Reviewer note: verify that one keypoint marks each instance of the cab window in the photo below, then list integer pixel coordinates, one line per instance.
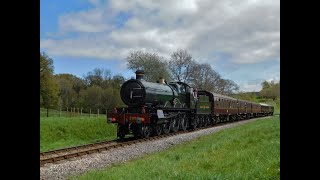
(182, 89)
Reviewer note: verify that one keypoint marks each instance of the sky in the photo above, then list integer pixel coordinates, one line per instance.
(240, 39)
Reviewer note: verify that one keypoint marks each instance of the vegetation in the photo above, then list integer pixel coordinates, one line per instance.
(48, 86)
(181, 65)
(154, 66)
(99, 89)
(270, 89)
(250, 151)
(63, 132)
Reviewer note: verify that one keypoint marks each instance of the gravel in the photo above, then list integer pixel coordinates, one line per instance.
(76, 166)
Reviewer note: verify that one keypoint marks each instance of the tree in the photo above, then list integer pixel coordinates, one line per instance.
(227, 86)
(205, 78)
(265, 84)
(98, 76)
(102, 91)
(180, 65)
(69, 89)
(91, 97)
(46, 65)
(48, 86)
(270, 90)
(117, 81)
(153, 65)
(96, 97)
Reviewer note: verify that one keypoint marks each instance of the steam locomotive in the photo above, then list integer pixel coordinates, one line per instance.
(161, 108)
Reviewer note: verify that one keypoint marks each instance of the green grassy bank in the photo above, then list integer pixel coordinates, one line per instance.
(59, 132)
(249, 151)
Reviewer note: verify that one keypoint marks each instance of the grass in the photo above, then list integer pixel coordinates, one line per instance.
(250, 151)
(60, 132)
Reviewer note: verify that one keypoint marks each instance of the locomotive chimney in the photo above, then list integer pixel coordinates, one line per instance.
(161, 80)
(139, 74)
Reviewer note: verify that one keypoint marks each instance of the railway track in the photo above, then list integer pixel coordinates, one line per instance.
(77, 151)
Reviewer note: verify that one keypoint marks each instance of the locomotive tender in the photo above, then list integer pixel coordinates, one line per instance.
(156, 108)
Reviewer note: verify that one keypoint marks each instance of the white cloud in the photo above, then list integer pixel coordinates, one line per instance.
(255, 84)
(243, 31)
(247, 87)
(246, 31)
(95, 2)
(84, 21)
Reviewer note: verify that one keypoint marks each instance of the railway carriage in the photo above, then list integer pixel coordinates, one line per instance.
(242, 109)
(223, 108)
(266, 109)
(256, 109)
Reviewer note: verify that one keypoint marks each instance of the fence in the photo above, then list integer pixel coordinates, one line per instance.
(72, 112)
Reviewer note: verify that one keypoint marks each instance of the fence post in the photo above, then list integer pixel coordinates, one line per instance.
(81, 112)
(74, 111)
(67, 112)
(98, 112)
(78, 111)
(90, 113)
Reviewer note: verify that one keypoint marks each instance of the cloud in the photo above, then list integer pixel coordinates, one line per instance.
(229, 34)
(255, 84)
(246, 31)
(84, 21)
(95, 2)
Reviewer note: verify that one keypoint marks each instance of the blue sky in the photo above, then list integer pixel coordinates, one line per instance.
(239, 39)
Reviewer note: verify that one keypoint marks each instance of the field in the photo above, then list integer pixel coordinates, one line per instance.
(250, 151)
(60, 132)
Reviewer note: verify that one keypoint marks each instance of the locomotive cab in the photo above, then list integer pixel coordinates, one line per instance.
(186, 94)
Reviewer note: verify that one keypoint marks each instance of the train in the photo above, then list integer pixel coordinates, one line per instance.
(155, 108)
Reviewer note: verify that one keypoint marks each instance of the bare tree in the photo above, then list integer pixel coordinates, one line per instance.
(226, 86)
(153, 65)
(180, 65)
(204, 77)
(98, 76)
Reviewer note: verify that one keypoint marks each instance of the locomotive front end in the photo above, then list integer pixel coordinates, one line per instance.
(133, 93)
(138, 92)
